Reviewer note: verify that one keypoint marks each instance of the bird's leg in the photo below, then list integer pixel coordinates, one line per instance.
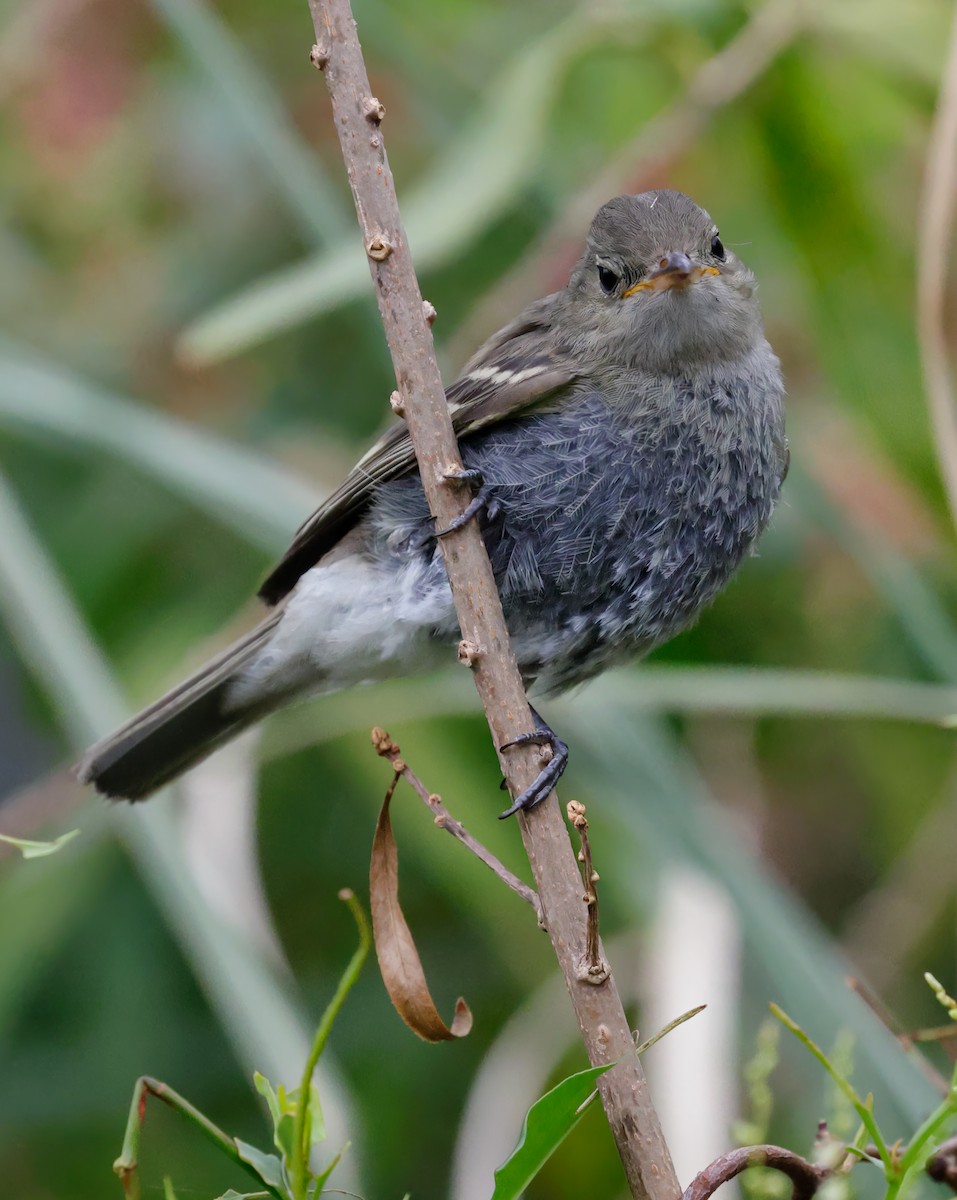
(550, 773)
(481, 500)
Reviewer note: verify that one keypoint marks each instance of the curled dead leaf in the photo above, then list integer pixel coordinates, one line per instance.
(399, 961)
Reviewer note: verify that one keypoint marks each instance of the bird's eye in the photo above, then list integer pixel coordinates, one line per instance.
(717, 249)
(607, 279)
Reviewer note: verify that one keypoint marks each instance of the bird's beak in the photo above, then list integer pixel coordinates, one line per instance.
(674, 270)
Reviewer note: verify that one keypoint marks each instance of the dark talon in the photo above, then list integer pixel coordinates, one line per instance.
(481, 500)
(548, 776)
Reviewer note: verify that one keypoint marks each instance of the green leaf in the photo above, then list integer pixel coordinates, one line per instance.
(547, 1123)
(319, 1133)
(31, 849)
(268, 1092)
(282, 1109)
(267, 1166)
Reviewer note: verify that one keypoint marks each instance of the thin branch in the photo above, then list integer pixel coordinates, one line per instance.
(593, 968)
(386, 748)
(935, 230)
(599, 1011)
(805, 1176)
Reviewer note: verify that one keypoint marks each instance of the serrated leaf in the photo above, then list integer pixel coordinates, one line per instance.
(547, 1123)
(30, 849)
(267, 1166)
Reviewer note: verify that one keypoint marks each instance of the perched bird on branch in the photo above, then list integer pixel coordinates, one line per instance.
(624, 438)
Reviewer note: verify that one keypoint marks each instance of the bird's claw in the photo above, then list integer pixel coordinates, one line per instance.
(482, 500)
(547, 777)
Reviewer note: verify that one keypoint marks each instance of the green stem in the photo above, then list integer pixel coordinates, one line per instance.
(862, 1108)
(299, 1167)
(126, 1165)
(943, 1113)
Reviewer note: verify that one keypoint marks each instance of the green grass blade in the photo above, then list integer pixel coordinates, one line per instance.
(239, 487)
(651, 790)
(920, 613)
(296, 172)
(484, 171)
(256, 1008)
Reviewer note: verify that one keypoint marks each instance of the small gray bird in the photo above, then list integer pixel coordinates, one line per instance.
(626, 439)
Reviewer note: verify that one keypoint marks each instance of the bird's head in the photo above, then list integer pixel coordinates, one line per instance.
(657, 288)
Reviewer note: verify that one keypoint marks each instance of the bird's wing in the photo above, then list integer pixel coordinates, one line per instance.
(517, 368)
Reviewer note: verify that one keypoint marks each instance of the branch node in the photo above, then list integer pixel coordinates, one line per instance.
(593, 972)
(379, 248)
(395, 403)
(374, 110)
(469, 653)
(319, 56)
(428, 311)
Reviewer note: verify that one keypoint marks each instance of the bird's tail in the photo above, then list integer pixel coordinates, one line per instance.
(179, 730)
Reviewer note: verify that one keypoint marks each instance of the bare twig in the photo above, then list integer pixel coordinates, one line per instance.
(385, 747)
(643, 161)
(942, 1165)
(935, 229)
(805, 1176)
(601, 1018)
(882, 929)
(594, 969)
(905, 1037)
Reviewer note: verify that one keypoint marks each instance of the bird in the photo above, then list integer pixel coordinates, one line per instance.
(625, 441)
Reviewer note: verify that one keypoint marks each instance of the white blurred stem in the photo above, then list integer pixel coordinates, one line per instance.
(695, 958)
(219, 840)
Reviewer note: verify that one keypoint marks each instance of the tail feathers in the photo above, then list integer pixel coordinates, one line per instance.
(178, 730)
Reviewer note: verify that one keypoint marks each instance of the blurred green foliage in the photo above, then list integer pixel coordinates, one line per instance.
(191, 355)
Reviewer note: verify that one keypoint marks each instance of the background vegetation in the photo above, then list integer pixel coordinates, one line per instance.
(190, 356)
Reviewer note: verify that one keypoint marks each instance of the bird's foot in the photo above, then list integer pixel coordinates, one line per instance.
(550, 773)
(482, 500)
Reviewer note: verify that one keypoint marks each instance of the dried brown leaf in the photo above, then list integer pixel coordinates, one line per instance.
(399, 960)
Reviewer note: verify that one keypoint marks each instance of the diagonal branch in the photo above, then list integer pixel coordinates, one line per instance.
(358, 116)
(386, 748)
(805, 1177)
